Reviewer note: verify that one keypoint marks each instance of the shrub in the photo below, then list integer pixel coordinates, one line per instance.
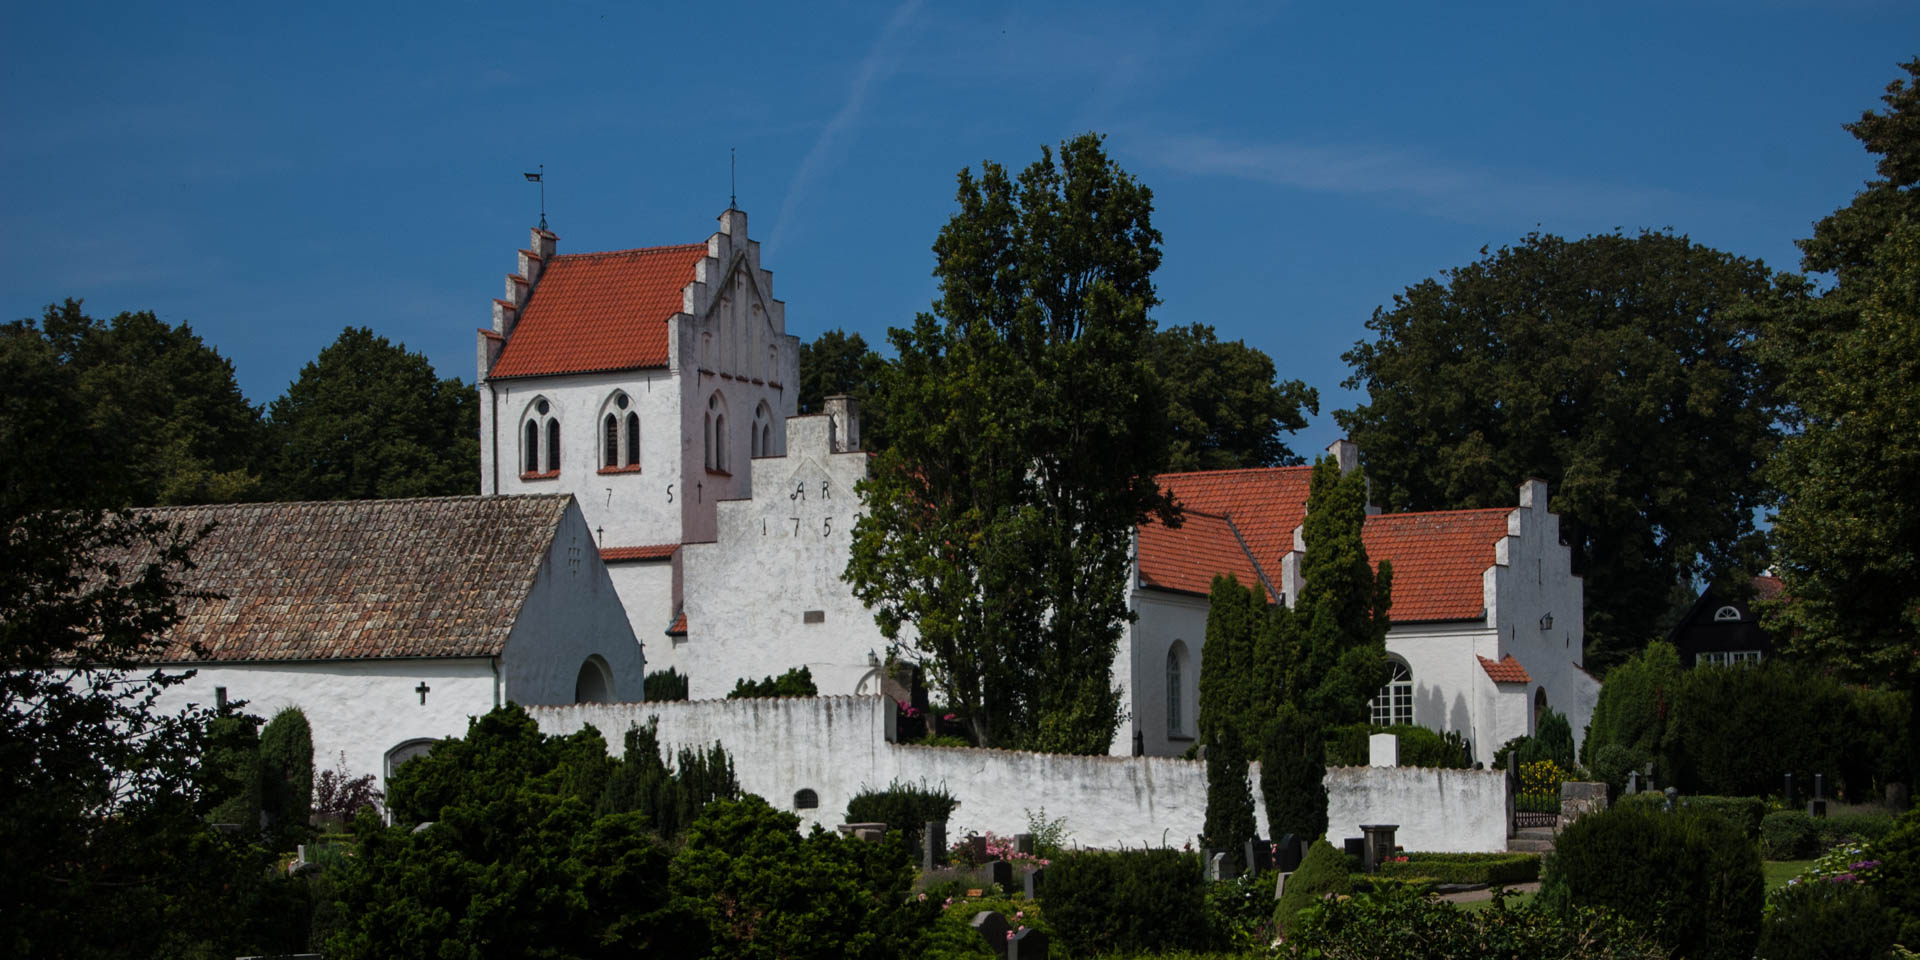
(1814, 921)
(1630, 718)
(1692, 879)
(338, 793)
(1141, 901)
(668, 797)
(1347, 746)
(1489, 868)
(1322, 872)
(1402, 924)
(230, 773)
(1788, 835)
(666, 684)
(1229, 822)
(1898, 877)
(1240, 911)
(1293, 771)
(286, 775)
(1555, 738)
(903, 807)
(1733, 731)
(1745, 813)
(951, 935)
(797, 682)
(1865, 828)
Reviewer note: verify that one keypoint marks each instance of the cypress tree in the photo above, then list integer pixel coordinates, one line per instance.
(286, 773)
(1229, 799)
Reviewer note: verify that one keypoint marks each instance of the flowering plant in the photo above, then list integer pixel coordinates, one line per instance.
(998, 848)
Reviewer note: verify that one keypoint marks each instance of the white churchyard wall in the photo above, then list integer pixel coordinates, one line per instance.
(1437, 811)
(363, 708)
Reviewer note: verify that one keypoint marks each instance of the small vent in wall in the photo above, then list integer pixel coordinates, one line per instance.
(814, 616)
(806, 800)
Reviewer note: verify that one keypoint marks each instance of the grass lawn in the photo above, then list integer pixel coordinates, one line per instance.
(1778, 872)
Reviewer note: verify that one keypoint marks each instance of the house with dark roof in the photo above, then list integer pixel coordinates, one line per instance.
(391, 622)
(1722, 629)
(1487, 617)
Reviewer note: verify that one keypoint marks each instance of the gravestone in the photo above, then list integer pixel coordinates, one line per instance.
(993, 928)
(1356, 848)
(1378, 843)
(1023, 843)
(864, 831)
(1256, 857)
(1280, 884)
(1383, 750)
(1001, 872)
(1898, 797)
(1789, 788)
(976, 848)
(933, 845)
(1035, 880)
(1028, 944)
(1633, 782)
(1817, 807)
(1219, 867)
(1579, 798)
(1289, 854)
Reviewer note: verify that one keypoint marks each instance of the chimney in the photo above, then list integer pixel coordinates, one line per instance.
(843, 418)
(1346, 453)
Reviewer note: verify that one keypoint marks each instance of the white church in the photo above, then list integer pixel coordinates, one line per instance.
(659, 387)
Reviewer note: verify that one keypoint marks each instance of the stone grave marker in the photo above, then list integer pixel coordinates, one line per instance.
(993, 928)
(1023, 843)
(1258, 856)
(933, 845)
(1001, 872)
(1219, 867)
(977, 847)
(1035, 880)
(1789, 788)
(1289, 855)
(1633, 782)
(1028, 944)
(1817, 807)
(1356, 847)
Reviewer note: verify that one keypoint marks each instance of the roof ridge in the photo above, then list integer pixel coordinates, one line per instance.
(1429, 513)
(1201, 473)
(269, 504)
(665, 247)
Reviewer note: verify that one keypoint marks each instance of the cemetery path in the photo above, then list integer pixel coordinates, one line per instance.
(1469, 896)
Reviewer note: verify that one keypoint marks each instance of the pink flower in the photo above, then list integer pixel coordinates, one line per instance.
(1009, 934)
(1017, 914)
(923, 898)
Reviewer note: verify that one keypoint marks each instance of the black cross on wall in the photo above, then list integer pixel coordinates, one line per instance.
(422, 691)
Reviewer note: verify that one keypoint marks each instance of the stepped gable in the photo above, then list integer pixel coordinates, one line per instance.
(1438, 560)
(360, 579)
(592, 312)
(1186, 559)
(1264, 503)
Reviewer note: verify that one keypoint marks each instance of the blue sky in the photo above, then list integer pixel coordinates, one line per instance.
(272, 176)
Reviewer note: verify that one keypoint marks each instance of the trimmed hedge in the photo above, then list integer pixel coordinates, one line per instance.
(1488, 868)
(902, 807)
(1742, 813)
(1134, 901)
(1788, 835)
(1690, 877)
(1419, 747)
(1322, 872)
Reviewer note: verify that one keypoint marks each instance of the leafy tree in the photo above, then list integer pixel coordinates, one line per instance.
(286, 775)
(141, 413)
(837, 362)
(797, 682)
(1340, 621)
(1293, 770)
(1024, 423)
(1236, 694)
(1619, 368)
(1225, 408)
(105, 848)
(668, 684)
(230, 771)
(1845, 242)
(368, 419)
(756, 888)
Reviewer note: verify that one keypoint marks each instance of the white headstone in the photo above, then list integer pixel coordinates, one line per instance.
(1383, 750)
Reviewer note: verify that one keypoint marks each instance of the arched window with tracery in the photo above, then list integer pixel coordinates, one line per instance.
(1394, 704)
(619, 433)
(538, 459)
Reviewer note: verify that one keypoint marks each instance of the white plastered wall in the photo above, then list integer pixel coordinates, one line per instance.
(1437, 811)
(1442, 660)
(1532, 579)
(646, 591)
(1140, 669)
(777, 558)
(362, 708)
(571, 612)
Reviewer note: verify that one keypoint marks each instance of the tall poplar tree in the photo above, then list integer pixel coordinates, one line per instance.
(1024, 423)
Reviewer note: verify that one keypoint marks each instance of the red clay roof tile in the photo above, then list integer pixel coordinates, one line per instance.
(678, 628)
(1186, 559)
(1506, 670)
(1264, 503)
(1438, 559)
(599, 311)
(658, 551)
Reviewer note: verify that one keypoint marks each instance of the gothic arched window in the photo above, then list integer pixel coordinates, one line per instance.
(716, 432)
(1394, 704)
(619, 433)
(1177, 689)
(763, 430)
(610, 442)
(537, 460)
(633, 439)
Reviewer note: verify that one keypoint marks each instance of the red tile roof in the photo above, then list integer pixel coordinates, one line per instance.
(361, 579)
(678, 628)
(658, 551)
(1438, 559)
(1506, 670)
(1264, 503)
(599, 311)
(1766, 586)
(1185, 560)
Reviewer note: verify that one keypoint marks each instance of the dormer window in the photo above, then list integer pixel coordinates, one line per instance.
(540, 441)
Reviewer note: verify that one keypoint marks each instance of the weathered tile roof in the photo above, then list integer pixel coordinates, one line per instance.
(361, 579)
(657, 551)
(1766, 586)
(1185, 560)
(1505, 670)
(599, 311)
(678, 628)
(1438, 559)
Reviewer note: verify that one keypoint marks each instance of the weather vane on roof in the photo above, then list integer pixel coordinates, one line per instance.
(541, 179)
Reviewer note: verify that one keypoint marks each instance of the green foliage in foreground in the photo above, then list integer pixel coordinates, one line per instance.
(1347, 746)
(1399, 923)
(1137, 900)
(797, 682)
(1693, 880)
(1491, 868)
(952, 937)
(668, 684)
(286, 776)
(1322, 873)
(903, 807)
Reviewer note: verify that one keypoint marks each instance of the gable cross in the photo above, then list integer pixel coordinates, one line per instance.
(422, 691)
